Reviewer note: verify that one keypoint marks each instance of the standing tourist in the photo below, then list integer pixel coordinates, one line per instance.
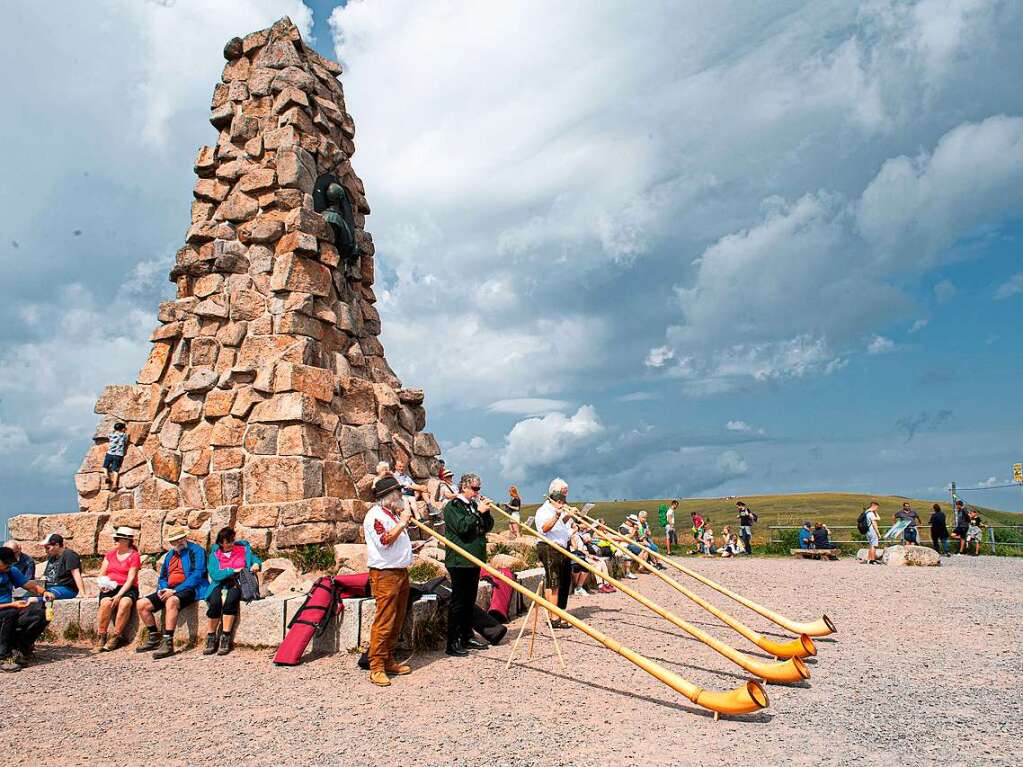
(514, 507)
(873, 536)
(120, 569)
(182, 578)
(63, 569)
(746, 517)
(962, 522)
(912, 519)
(974, 531)
(116, 449)
(670, 537)
(228, 559)
(553, 523)
(388, 557)
(467, 520)
(697, 531)
(939, 530)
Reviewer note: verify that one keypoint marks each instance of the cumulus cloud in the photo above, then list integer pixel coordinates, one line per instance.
(1011, 287)
(527, 406)
(542, 443)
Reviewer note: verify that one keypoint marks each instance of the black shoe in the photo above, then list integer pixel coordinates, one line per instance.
(151, 643)
(211, 644)
(225, 644)
(19, 657)
(456, 649)
(474, 644)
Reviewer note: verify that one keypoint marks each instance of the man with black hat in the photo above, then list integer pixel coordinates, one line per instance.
(388, 557)
(467, 520)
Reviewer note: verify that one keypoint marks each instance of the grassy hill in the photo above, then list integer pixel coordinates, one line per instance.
(833, 509)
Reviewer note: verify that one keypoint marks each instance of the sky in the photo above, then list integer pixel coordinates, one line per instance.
(657, 249)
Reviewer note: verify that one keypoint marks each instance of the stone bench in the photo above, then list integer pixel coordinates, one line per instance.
(263, 623)
(816, 553)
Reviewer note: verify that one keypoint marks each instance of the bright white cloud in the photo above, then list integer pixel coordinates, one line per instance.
(659, 356)
(527, 406)
(1011, 287)
(544, 443)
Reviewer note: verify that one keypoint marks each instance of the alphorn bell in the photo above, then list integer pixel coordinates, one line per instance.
(790, 670)
(795, 648)
(742, 700)
(821, 627)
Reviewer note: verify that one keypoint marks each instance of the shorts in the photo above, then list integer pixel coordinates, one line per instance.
(132, 594)
(113, 462)
(577, 568)
(185, 597)
(62, 592)
(553, 561)
(634, 549)
(516, 516)
(872, 538)
(973, 534)
(960, 532)
(909, 535)
(672, 538)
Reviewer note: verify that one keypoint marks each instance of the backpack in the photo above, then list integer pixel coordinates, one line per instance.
(662, 514)
(861, 522)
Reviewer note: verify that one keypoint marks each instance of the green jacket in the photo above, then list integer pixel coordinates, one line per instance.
(467, 528)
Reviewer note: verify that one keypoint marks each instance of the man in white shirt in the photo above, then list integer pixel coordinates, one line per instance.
(388, 556)
(873, 534)
(553, 524)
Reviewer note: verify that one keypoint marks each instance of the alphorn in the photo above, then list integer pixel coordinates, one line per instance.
(790, 670)
(796, 648)
(821, 627)
(742, 700)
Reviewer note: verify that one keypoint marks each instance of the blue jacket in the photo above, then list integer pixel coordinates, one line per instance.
(193, 562)
(218, 575)
(805, 538)
(27, 565)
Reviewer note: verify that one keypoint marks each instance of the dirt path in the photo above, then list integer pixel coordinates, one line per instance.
(924, 670)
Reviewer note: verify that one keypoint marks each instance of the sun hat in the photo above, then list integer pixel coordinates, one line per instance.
(176, 534)
(632, 518)
(124, 532)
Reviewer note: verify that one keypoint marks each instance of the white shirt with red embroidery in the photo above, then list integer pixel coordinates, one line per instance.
(378, 556)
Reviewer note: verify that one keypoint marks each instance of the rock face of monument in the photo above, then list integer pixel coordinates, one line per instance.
(266, 400)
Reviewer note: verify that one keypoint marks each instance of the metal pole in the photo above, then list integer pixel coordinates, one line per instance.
(991, 534)
(955, 512)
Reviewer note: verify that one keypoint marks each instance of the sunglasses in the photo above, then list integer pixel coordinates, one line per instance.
(475, 488)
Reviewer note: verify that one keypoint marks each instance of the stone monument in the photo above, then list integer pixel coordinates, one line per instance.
(266, 400)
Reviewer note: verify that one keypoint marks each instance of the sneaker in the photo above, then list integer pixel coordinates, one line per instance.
(580, 592)
(9, 666)
(607, 588)
(631, 576)
(225, 644)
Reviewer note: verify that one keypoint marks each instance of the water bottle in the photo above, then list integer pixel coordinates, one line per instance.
(49, 611)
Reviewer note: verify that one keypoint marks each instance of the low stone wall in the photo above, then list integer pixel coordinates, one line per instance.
(263, 623)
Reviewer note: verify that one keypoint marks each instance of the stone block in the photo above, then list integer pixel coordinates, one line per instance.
(918, 556)
(342, 635)
(25, 527)
(350, 557)
(275, 479)
(296, 273)
(287, 406)
(80, 530)
(422, 611)
(303, 534)
(315, 381)
(66, 613)
(304, 439)
(129, 403)
(261, 623)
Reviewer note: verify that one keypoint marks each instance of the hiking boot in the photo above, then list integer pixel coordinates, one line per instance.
(166, 648)
(456, 649)
(379, 678)
(393, 667)
(9, 666)
(225, 644)
(151, 642)
(211, 644)
(474, 644)
(113, 643)
(101, 640)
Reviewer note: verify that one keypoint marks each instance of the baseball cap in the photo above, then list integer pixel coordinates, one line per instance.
(55, 539)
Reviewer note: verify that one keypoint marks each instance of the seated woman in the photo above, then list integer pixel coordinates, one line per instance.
(822, 537)
(119, 589)
(708, 540)
(730, 541)
(223, 598)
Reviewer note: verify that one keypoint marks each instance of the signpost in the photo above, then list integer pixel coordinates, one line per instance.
(1017, 473)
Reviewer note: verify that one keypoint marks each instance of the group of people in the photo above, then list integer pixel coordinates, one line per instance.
(815, 535)
(732, 543)
(224, 578)
(967, 529)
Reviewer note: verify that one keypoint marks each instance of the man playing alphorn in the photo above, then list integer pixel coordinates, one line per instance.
(388, 557)
(553, 522)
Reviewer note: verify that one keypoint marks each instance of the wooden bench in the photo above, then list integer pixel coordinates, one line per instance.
(816, 553)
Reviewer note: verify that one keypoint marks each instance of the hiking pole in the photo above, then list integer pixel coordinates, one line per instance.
(789, 670)
(796, 648)
(818, 628)
(742, 700)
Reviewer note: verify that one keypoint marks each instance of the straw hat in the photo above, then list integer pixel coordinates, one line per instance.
(176, 534)
(124, 532)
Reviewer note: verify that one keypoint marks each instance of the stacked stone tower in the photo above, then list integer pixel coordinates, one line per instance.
(266, 400)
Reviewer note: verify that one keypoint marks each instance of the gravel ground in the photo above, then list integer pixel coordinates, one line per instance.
(922, 671)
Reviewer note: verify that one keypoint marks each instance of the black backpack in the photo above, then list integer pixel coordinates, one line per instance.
(861, 522)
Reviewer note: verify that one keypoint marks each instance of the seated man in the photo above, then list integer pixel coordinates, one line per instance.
(182, 578)
(822, 537)
(63, 569)
(21, 623)
(646, 538)
(806, 536)
(23, 561)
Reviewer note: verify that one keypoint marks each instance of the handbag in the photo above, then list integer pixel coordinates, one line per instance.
(249, 584)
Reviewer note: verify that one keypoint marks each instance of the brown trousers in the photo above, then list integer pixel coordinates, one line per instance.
(390, 590)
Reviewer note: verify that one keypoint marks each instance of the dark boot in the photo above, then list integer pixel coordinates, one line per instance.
(151, 642)
(211, 644)
(472, 643)
(225, 644)
(166, 648)
(455, 648)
